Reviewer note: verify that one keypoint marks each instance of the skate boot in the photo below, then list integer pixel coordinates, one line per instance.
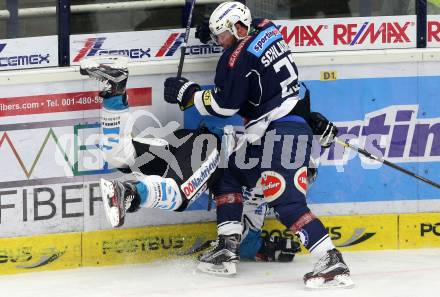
(111, 71)
(118, 199)
(224, 256)
(329, 272)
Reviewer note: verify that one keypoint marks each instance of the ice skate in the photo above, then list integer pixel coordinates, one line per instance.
(118, 198)
(223, 258)
(111, 71)
(329, 272)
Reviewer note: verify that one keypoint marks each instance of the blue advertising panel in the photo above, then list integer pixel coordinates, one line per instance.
(402, 109)
(395, 117)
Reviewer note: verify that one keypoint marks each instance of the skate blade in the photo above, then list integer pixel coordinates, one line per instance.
(224, 269)
(340, 281)
(107, 192)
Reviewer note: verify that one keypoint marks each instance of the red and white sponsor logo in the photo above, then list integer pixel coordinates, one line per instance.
(300, 180)
(195, 185)
(273, 185)
(349, 33)
(434, 31)
(371, 32)
(78, 101)
(303, 35)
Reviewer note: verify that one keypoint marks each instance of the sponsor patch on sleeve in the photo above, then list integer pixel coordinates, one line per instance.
(196, 184)
(263, 40)
(207, 95)
(300, 180)
(273, 185)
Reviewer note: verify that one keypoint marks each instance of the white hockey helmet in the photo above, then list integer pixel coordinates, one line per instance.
(226, 15)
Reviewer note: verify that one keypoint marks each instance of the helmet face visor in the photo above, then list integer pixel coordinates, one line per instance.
(214, 38)
(222, 37)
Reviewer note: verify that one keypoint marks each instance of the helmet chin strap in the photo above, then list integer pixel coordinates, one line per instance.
(235, 33)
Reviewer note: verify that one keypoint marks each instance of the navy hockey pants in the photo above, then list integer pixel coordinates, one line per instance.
(279, 163)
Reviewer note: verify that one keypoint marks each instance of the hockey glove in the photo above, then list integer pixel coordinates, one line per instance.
(180, 91)
(276, 248)
(324, 128)
(203, 33)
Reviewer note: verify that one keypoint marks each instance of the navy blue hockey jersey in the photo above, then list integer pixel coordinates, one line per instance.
(253, 78)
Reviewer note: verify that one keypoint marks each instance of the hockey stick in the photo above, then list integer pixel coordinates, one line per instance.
(185, 40)
(388, 163)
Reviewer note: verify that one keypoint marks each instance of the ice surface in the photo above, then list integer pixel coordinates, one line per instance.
(407, 273)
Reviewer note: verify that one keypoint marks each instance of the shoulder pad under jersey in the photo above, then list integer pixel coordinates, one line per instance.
(261, 23)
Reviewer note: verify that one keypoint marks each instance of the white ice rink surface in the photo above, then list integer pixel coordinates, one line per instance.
(410, 273)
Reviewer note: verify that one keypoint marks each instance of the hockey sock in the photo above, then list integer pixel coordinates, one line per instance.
(116, 103)
(229, 211)
(314, 236)
(116, 142)
(143, 192)
(158, 192)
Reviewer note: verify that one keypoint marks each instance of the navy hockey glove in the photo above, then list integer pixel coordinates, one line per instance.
(324, 128)
(276, 248)
(203, 33)
(180, 91)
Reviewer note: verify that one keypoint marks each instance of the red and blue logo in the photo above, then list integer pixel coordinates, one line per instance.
(172, 44)
(93, 47)
(90, 48)
(22, 60)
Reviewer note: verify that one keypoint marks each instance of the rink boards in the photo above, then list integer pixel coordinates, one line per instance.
(140, 245)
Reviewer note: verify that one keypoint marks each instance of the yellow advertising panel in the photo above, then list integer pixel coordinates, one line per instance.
(420, 230)
(140, 245)
(38, 253)
(145, 244)
(367, 232)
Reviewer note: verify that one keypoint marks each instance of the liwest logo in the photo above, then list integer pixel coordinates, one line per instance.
(175, 40)
(22, 60)
(370, 33)
(93, 47)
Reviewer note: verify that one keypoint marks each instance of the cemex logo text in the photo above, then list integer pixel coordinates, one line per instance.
(394, 133)
(433, 31)
(175, 40)
(302, 35)
(93, 47)
(370, 33)
(22, 60)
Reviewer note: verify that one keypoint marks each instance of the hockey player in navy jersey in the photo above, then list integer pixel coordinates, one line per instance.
(158, 167)
(256, 77)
